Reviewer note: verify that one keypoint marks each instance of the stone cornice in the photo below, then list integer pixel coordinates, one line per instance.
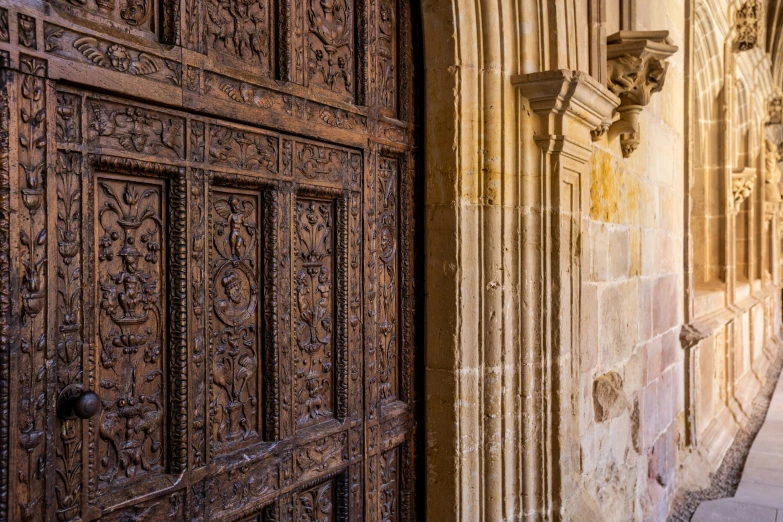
(568, 102)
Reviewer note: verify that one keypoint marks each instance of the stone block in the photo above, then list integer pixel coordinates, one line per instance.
(618, 321)
(654, 359)
(665, 304)
(646, 287)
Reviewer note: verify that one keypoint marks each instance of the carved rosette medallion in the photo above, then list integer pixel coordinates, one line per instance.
(235, 289)
(131, 330)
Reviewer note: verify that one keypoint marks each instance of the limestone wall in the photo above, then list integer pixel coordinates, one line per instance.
(597, 318)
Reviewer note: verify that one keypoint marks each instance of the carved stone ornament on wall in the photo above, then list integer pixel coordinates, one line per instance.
(636, 70)
(742, 184)
(747, 24)
(775, 111)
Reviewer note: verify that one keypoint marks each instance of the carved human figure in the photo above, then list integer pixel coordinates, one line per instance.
(235, 212)
(232, 286)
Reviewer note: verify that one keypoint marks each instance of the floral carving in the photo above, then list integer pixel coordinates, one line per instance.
(315, 504)
(240, 28)
(136, 130)
(69, 342)
(314, 309)
(389, 486)
(636, 70)
(68, 118)
(330, 53)
(321, 163)
(242, 150)
(131, 330)
(387, 56)
(321, 455)
(741, 187)
(247, 484)
(32, 356)
(197, 304)
(234, 266)
(387, 282)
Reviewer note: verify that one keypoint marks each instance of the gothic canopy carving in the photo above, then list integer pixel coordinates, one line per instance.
(636, 70)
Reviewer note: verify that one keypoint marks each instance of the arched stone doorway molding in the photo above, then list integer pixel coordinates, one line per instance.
(506, 168)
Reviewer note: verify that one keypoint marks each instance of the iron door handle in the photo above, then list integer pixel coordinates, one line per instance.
(77, 402)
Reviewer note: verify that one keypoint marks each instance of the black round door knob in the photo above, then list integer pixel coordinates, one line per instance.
(77, 402)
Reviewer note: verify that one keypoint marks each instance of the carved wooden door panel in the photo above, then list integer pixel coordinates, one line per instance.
(206, 260)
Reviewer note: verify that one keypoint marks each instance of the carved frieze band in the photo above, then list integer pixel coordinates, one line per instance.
(121, 58)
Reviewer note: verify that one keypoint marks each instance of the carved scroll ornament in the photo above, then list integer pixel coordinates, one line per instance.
(636, 70)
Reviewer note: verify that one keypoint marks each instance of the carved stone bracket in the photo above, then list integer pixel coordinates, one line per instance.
(568, 103)
(636, 70)
(747, 24)
(742, 184)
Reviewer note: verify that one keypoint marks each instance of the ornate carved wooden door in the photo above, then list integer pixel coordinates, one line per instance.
(206, 260)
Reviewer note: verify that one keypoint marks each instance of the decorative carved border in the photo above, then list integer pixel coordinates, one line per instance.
(271, 194)
(6, 80)
(341, 198)
(177, 295)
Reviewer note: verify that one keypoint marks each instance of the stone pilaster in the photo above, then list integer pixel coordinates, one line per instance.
(569, 105)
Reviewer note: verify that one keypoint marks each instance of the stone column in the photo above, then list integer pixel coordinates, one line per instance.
(569, 105)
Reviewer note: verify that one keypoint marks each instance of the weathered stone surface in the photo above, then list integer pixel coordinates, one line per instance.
(609, 399)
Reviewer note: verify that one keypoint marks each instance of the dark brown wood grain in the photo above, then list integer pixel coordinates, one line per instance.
(212, 231)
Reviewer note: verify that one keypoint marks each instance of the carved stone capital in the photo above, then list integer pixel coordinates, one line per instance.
(742, 184)
(636, 70)
(747, 25)
(571, 104)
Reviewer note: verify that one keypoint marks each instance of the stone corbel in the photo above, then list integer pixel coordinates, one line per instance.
(570, 104)
(747, 25)
(742, 184)
(636, 70)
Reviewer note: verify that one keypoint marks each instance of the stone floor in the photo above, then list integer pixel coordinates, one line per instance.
(759, 497)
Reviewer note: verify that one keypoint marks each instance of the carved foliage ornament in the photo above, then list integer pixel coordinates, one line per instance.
(748, 22)
(741, 187)
(636, 70)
